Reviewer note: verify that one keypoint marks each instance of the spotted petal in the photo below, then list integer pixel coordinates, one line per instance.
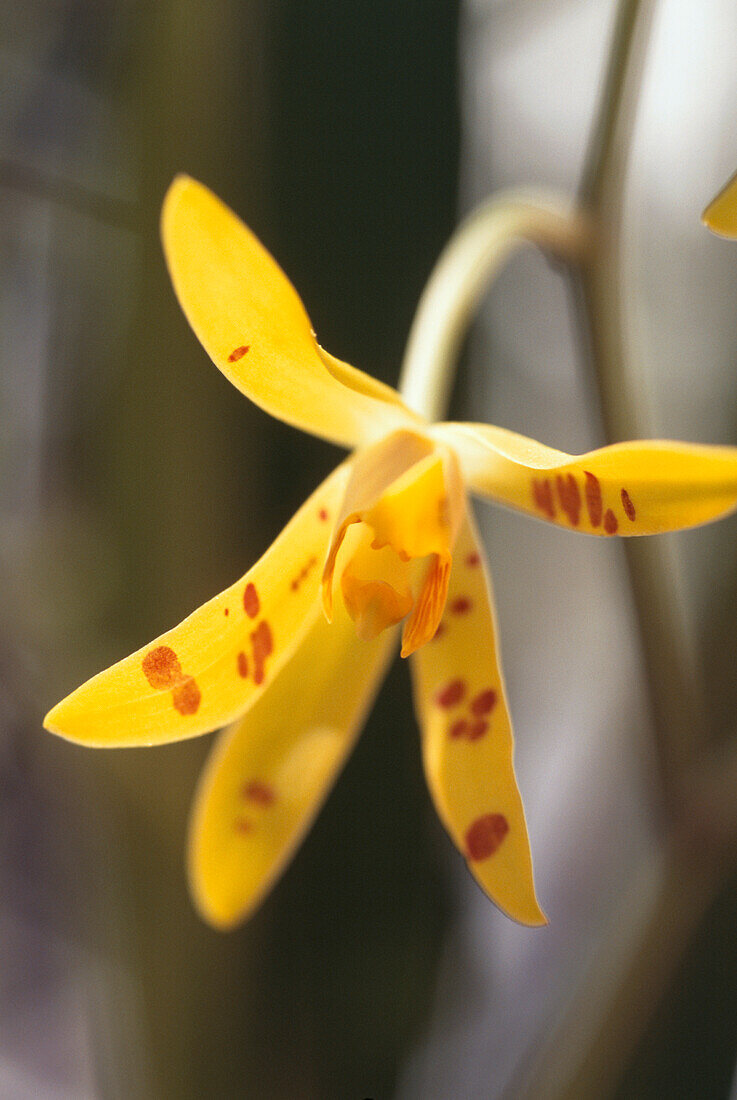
(638, 488)
(467, 739)
(252, 324)
(268, 775)
(210, 668)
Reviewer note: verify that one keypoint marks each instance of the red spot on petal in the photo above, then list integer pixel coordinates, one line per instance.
(263, 646)
(161, 667)
(472, 560)
(260, 793)
(303, 573)
(322, 514)
(242, 662)
(542, 495)
(593, 498)
(187, 696)
(610, 522)
(243, 825)
(461, 605)
(251, 602)
(238, 353)
(477, 729)
(458, 729)
(451, 694)
(629, 508)
(569, 496)
(226, 611)
(485, 835)
(484, 703)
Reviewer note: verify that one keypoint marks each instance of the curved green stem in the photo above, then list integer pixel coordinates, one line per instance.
(678, 719)
(467, 265)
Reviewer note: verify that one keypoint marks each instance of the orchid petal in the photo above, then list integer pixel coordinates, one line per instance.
(637, 488)
(210, 668)
(269, 774)
(721, 213)
(251, 322)
(467, 739)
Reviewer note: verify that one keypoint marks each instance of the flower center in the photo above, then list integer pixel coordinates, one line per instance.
(396, 539)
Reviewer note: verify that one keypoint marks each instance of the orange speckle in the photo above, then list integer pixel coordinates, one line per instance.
(238, 353)
(259, 792)
(161, 667)
(478, 729)
(593, 498)
(263, 646)
(451, 694)
(251, 602)
(570, 497)
(304, 573)
(186, 697)
(485, 835)
(243, 825)
(610, 522)
(629, 508)
(226, 611)
(461, 605)
(242, 662)
(472, 560)
(458, 729)
(542, 495)
(323, 514)
(484, 703)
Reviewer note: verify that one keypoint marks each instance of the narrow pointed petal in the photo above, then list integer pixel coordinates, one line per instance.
(467, 742)
(269, 774)
(252, 324)
(210, 668)
(637, 488)
(721, 214)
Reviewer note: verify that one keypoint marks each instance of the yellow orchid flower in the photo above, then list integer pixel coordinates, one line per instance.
(293, 652)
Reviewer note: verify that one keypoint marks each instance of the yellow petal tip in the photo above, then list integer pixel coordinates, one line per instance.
(537, 920)
(720, 216)
(49, 722)
(211, 914)
(56, 723)
(524, 909)
(527, 912)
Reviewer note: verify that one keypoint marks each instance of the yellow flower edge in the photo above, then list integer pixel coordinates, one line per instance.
(721, 214)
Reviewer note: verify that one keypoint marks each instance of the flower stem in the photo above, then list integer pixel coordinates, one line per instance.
(678, 719)
(597, 1035)
(466, 267)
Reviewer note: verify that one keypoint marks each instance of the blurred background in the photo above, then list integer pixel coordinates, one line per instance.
(135, 482)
